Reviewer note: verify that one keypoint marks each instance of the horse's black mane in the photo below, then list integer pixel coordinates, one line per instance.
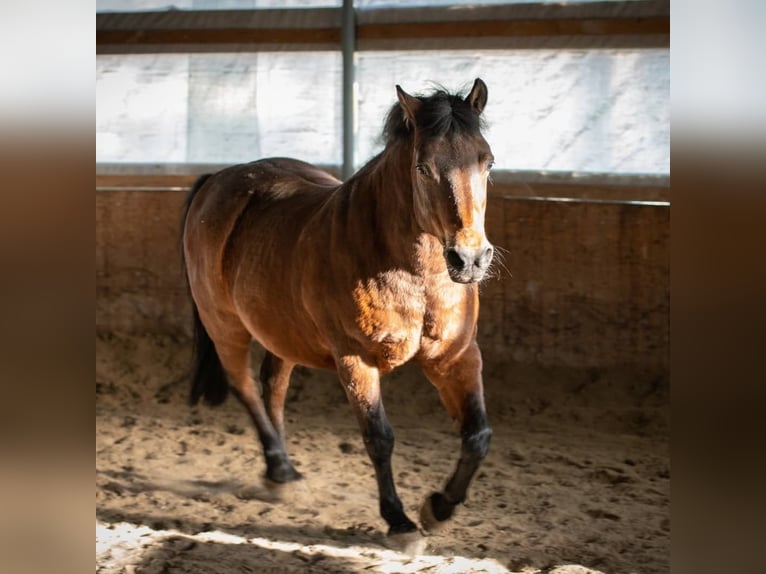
(442, 113)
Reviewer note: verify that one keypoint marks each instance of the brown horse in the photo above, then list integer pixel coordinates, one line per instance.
(357, 277)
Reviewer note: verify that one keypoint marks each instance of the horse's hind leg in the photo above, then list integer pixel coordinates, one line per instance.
(234, 352)
(460, 388)
(275, 378)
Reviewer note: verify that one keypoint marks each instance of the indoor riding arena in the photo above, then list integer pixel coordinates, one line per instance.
(573, 323)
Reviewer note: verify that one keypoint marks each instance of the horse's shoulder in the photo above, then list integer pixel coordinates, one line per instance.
(387, 316)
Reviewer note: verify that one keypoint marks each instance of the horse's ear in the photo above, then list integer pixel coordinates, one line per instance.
(478, 96)
(410, 105)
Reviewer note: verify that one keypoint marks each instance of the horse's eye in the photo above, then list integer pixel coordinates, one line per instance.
(422, 169)
(490, 165)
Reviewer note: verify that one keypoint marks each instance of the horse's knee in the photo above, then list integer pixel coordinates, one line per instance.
(476, 444)
(476, 432)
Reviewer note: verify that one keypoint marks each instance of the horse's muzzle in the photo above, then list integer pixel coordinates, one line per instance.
(466, 265)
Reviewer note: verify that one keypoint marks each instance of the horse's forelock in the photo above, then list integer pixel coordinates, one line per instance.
(442, 113)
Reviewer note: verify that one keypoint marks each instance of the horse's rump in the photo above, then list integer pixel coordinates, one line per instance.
(241, 239)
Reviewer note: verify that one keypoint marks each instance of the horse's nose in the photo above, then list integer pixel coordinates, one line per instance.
(466, 259)
(486, 256)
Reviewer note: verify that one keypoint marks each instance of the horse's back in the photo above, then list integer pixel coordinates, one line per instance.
(271, 179)
(286, 176)
(267, 187)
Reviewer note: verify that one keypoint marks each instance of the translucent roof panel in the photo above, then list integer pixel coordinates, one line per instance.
(218, 108)
(604, 111)
(598, 111)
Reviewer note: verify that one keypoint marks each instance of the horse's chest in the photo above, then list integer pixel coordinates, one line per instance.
(449, 323)
(389, 315)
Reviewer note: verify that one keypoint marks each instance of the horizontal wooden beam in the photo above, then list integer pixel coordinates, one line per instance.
(592, 190)
(602, 24)
(219, 36)
(137, 181)
(513, 28)
(588, 27)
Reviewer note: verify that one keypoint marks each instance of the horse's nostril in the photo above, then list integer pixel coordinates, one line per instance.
(486, 257)
(454, 259)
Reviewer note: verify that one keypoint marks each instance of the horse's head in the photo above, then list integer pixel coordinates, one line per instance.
(450, 165)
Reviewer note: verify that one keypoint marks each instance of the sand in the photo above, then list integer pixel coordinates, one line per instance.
(577, 480)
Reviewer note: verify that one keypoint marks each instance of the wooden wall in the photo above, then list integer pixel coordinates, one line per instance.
(589, 284)
(139, 282)
(587, 280)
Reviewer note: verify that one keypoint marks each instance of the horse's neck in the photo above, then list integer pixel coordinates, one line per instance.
(386, 185)
(383, 190)
(390, 181)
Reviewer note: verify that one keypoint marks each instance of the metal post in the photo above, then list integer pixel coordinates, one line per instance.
(348, 45)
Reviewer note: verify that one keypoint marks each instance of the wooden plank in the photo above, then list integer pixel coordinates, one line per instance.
(398, 31)
(514, 28)
(137, 181)
(581, 191)
(219, 36)
(590, 190)
(194, 30)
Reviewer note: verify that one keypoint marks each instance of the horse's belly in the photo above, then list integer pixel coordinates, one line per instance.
(287, 334)
(295, 349)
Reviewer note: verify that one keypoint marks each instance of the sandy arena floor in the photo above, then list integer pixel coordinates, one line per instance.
(576, 482)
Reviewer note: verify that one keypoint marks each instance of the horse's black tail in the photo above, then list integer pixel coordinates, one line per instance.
(208, 378)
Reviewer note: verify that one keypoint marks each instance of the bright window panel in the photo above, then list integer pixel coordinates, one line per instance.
(603, 111)
(159, 5)
(218, 108)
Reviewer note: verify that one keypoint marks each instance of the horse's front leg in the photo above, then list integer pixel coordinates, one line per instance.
(362, 385)
(459, 383)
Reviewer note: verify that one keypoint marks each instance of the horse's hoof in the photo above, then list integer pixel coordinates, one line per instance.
(283, 473)
(410, 543)
(435, 512)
